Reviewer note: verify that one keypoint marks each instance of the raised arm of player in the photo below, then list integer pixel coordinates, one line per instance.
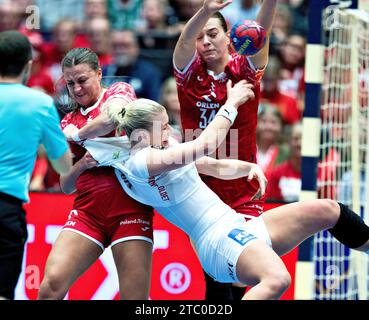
(159, 161)
(265, 18)
(186, 44)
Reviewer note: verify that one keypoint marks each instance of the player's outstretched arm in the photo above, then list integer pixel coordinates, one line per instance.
(159, 161)
(229, 169)
(186, 44)
(98, 127)
(265, 18)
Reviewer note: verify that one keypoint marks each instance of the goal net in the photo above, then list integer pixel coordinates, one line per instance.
(343, 169)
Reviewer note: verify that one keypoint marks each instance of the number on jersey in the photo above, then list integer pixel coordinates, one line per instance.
(206, 117)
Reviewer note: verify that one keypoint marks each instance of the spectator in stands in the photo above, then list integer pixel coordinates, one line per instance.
(95, 9)
(98, 35)
(241, 10)
(40, 77)
(157, 29)
(154, 15)
(169, 99)
(64, 39)
(186, 9)
(271, 149)
(124, 14)
(292, 55)
(285, 179)
(21, 16)
(13, 16)
(9, 16)
(142, 75)
(272, 95)
(300, 15)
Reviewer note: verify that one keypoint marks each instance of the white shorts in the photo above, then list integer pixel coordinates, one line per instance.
(220, 248)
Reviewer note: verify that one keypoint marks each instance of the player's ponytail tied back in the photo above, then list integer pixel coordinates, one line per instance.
(135, 115)
(122, 112)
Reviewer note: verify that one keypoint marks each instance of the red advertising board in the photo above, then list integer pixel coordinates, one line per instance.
(176, 273)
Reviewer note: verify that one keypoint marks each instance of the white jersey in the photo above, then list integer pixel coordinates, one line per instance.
(219, 233)
(179, 195)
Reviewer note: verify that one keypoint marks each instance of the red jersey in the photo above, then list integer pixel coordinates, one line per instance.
(99, 178)
(284, 183)
(201, 93)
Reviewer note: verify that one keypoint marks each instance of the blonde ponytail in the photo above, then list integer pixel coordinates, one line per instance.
(137, 114)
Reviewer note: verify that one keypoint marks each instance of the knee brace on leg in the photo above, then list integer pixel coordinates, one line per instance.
(238, 292)
(216, 290)
(350, 229)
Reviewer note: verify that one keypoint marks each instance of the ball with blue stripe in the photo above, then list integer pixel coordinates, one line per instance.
(247, 37)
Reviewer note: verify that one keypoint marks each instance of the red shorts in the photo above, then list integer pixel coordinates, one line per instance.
(135, 226)
(109, 217)
(250, 209)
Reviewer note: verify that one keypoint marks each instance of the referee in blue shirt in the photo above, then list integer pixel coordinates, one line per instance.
(27, 118)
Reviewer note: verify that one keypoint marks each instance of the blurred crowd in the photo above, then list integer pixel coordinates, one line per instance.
(134, 40)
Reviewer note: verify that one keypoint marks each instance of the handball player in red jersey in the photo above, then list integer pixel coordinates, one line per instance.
(203, 64)
(103, 214)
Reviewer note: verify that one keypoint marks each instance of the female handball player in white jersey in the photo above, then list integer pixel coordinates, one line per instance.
(162, 173)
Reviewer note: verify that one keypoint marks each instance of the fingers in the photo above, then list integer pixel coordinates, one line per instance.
(261, 179)
(244, 85)
(257, 195)
(251, 94)
(90, 161)
(262, 184)
(213, 6)
(240, 92)
(224, 4)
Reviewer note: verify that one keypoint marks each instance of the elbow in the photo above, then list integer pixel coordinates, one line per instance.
(64, 170)
(208, 148)
(65, 188)
(63, 165)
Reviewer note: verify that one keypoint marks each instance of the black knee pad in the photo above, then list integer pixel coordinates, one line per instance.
(350, 229)
(216, 290)
(238, 292)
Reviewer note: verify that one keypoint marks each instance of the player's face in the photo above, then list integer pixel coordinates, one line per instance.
(212, 42)
(83, 84)
(161, 130)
